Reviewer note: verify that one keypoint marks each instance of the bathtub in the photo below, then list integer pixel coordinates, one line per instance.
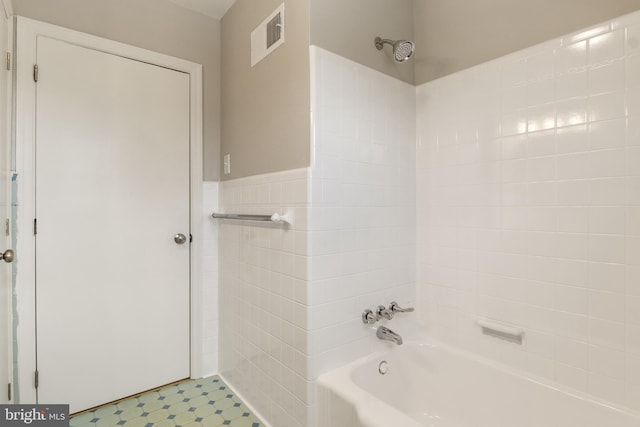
(439, 386)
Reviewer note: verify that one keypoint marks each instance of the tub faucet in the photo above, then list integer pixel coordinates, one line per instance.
(381, 312)
(385, 333)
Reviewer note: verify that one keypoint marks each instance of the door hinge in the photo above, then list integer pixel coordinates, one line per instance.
(35, 226)
(35, 73)
(36, 379)
(8, 61)
(9, 392)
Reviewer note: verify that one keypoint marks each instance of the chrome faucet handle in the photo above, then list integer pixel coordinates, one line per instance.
(368, 317)
(381, 312)
(395, 308)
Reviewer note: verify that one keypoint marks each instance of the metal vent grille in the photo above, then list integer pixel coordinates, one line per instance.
(274, 30)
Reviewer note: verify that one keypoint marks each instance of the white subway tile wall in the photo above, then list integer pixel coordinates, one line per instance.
(362, 222)
(209, 279)
(528, 207)
(263, 270)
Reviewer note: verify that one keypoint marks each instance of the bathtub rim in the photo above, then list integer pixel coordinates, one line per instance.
(351, 392)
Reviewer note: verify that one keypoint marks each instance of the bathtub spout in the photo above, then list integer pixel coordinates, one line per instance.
(387, 334)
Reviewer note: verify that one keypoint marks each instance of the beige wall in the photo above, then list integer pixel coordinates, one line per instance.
(156, 25)
(348, 27)
(266, 114)
(452, 35)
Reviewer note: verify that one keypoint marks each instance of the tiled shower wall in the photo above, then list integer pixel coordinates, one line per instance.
(528, 201)
(362, 219)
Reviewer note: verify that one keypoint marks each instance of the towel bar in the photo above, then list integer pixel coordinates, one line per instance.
(276, 218)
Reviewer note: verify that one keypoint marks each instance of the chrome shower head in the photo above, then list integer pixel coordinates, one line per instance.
(402, 49)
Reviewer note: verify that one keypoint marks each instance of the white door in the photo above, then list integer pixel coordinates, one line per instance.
(112, 191)
(5, 214)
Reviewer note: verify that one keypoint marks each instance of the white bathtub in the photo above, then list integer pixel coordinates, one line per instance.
(438, 386)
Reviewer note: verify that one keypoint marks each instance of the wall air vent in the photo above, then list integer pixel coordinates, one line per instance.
(273, 30)
(267, 36)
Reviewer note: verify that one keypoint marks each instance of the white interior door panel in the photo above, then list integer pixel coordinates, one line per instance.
(112, 190)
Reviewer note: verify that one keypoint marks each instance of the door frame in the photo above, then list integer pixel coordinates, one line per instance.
(27, 32)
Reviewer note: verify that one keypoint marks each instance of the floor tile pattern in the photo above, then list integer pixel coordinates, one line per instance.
(206, 402)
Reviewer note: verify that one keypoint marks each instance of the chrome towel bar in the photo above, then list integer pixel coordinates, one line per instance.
(276, 218)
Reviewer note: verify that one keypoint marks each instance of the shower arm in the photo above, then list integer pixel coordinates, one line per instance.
(380, 42)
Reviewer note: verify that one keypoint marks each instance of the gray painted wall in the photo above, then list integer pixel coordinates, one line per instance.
(157, 25)
(348, 27)
(266, 114)
(275, 94)
(452, 35)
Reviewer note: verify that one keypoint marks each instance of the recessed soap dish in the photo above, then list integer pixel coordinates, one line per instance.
(501, 330)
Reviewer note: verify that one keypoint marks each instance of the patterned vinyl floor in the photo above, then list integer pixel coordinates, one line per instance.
(206, 402)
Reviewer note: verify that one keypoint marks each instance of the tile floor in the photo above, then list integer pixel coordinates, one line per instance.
(207, 402)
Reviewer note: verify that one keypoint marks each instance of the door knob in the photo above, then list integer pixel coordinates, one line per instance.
(7, 256)
(180, 238)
